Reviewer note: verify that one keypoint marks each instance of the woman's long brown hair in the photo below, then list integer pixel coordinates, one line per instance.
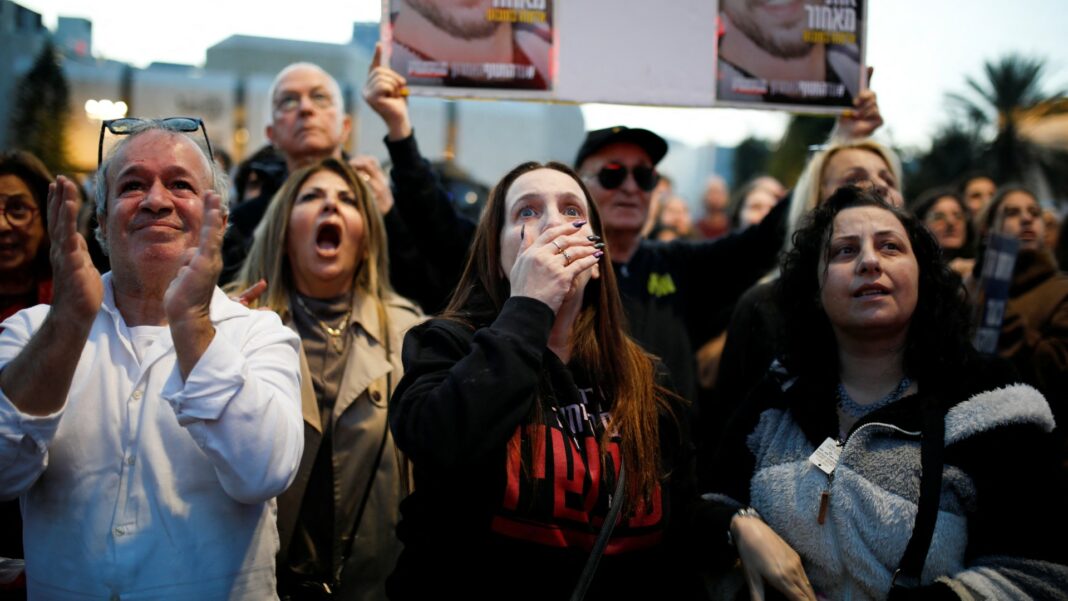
(624, 373)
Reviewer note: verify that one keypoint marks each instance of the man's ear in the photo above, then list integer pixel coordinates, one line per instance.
(102, 225)
(346, 128)
(269, 130)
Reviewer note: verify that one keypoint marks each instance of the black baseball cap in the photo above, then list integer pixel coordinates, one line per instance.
(652, 144)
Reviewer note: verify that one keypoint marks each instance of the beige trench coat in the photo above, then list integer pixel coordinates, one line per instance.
(359, 424)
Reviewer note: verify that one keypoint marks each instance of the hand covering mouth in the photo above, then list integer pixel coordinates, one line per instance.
(328, 236)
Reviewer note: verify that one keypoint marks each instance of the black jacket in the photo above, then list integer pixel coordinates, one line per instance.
(674, 293)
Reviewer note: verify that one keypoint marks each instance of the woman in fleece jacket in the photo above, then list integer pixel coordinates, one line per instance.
(877, 357)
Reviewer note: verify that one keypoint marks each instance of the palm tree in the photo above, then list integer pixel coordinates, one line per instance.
(1011, 94)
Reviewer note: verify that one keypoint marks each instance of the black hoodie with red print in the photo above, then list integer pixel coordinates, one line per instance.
(509, 497)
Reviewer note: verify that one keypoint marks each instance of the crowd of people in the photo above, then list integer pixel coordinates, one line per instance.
(343, 388)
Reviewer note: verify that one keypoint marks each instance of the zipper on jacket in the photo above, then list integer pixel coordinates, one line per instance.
(825, 496)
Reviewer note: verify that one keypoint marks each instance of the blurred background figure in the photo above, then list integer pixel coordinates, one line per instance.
(321, 248)
(754, 200)
(1061, 250)
(949, 219)
(714, 223)
(675, 221)
(1034, 330)
(665, 189)
(1052, 222)
(977, 189)
(259, 176)
(25, 279)
(223, 160)
(25, 271)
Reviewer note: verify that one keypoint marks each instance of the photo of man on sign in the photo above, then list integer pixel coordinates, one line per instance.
(472, 43)
(782, 53)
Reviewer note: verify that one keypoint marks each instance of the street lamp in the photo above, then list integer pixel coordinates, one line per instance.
(105, 109)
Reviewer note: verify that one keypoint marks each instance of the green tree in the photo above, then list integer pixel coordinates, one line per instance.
(804, 131)
(41, 109)
(750, 160)
(1012, 92)
(955, 150)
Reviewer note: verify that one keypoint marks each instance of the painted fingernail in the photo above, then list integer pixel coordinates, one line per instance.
(579, 223)
(599, 254)
(593, 238)
(599, 245)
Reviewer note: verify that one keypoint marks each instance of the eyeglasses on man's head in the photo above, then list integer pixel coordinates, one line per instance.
(131, 125)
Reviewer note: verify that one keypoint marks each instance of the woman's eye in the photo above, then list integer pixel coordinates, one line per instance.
(526, 212)
(348, 199)
(842, 251)
(307, 197)
(17, 209)
(572, 212)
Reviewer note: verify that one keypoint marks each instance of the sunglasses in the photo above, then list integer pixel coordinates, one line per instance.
(612, 176)
(129, 125)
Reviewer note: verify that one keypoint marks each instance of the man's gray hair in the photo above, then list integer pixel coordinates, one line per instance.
(220, 181)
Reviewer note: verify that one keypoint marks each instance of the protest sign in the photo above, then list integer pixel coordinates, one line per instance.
(801, 55)
(678, 53)
(487, 44)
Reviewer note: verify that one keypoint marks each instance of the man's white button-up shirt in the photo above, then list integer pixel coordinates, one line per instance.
(147, 487)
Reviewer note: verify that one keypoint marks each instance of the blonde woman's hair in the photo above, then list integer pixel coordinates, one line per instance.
(806, 195)
(268, 258)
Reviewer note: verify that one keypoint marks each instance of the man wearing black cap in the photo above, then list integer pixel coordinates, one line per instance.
(674, 293)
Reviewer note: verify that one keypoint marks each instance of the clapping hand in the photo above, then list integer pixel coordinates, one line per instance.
(78, 287)
(189, 294)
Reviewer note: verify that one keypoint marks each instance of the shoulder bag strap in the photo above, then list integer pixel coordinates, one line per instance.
(932, 447)
(370, 480)
(602, 539)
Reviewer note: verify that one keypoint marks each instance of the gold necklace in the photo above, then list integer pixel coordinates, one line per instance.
(335, 333)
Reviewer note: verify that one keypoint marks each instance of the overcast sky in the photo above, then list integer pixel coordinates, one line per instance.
(921, 49)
